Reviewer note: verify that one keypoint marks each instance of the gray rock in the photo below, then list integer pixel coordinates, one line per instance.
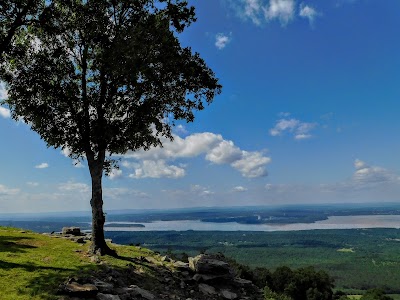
(207, 289)
(242, 282)
(71, 230)
(228, 294)
(107, 297)
(75, 289)
(165, 258)
(145, 294)
(95, 259)
(208, 264)
(103, 286)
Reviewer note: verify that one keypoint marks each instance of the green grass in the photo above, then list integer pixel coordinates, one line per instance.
(32, 265)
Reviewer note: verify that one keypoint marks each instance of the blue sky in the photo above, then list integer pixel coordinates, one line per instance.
(309, 113)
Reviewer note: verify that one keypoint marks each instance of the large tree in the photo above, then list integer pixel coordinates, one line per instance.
(102, 77)
(14, 15)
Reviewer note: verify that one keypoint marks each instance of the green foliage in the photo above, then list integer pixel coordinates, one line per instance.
(16, 15)
(104, 75)
(374, 263)
(270, 295)
(302, 284)
(375, 294)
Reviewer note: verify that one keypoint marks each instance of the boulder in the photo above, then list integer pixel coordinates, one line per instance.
(71, 230)
(228, 294)
(211, 265)
(143, 293)
(207, 289)
(75, 289)
(107, 297)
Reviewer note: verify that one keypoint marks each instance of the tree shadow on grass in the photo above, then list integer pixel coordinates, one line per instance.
(12, 244)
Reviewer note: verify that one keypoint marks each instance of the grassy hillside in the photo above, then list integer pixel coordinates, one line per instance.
(33, 265)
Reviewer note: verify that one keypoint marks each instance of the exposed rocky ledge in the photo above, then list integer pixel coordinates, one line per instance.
(205, 277)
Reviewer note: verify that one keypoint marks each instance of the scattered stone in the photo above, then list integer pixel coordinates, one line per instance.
(107, 297)
(103, 286)
(209, 264)
(75, 289)
(228, 294)
(207, 289)
(145, 294)
(165, 258)
(95, 259)
(76, 231)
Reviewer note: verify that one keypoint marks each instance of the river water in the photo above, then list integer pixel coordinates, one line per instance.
(333, 222)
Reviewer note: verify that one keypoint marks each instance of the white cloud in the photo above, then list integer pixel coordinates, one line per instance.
(66, 151)
(153, 163)
(5, 191)
(366, 175)
(239, 189)
(308, 12)
(5, 112)
(300, 130)
(3, 92)
(71, 186)
(252, 164)
(283, 10)
(42, 166)
(221, 40)
(156, 169)
(115, 174)
(251, 10)
(123, 193)
(201, 190)
(33, 184)
(180, 130)
(224, 153)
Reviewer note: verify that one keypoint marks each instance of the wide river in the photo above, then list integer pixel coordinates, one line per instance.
(334, 222)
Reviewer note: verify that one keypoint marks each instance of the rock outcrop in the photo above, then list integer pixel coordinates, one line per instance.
(206, 277)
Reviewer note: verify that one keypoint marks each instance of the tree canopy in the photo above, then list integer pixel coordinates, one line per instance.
(13, 16)
(103, 77)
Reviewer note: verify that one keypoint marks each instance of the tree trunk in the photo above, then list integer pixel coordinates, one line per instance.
(98, 245)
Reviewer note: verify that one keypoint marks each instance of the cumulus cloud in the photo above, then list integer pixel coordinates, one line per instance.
(308, 12)
(3, 92)
(115, 174)
(156, 169)
(71, 186)
(299, 130)
(221, 40)
(42, 166)
(250, 9)
(366, 184)
(201, 190)
(260, 12)
(5, 191)
(5, 112)
(371, 175)
(239, 189)
(153, 163)
(224, 153)
(180, 130)
(283, 10)
(66, 151)
(252, 164)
